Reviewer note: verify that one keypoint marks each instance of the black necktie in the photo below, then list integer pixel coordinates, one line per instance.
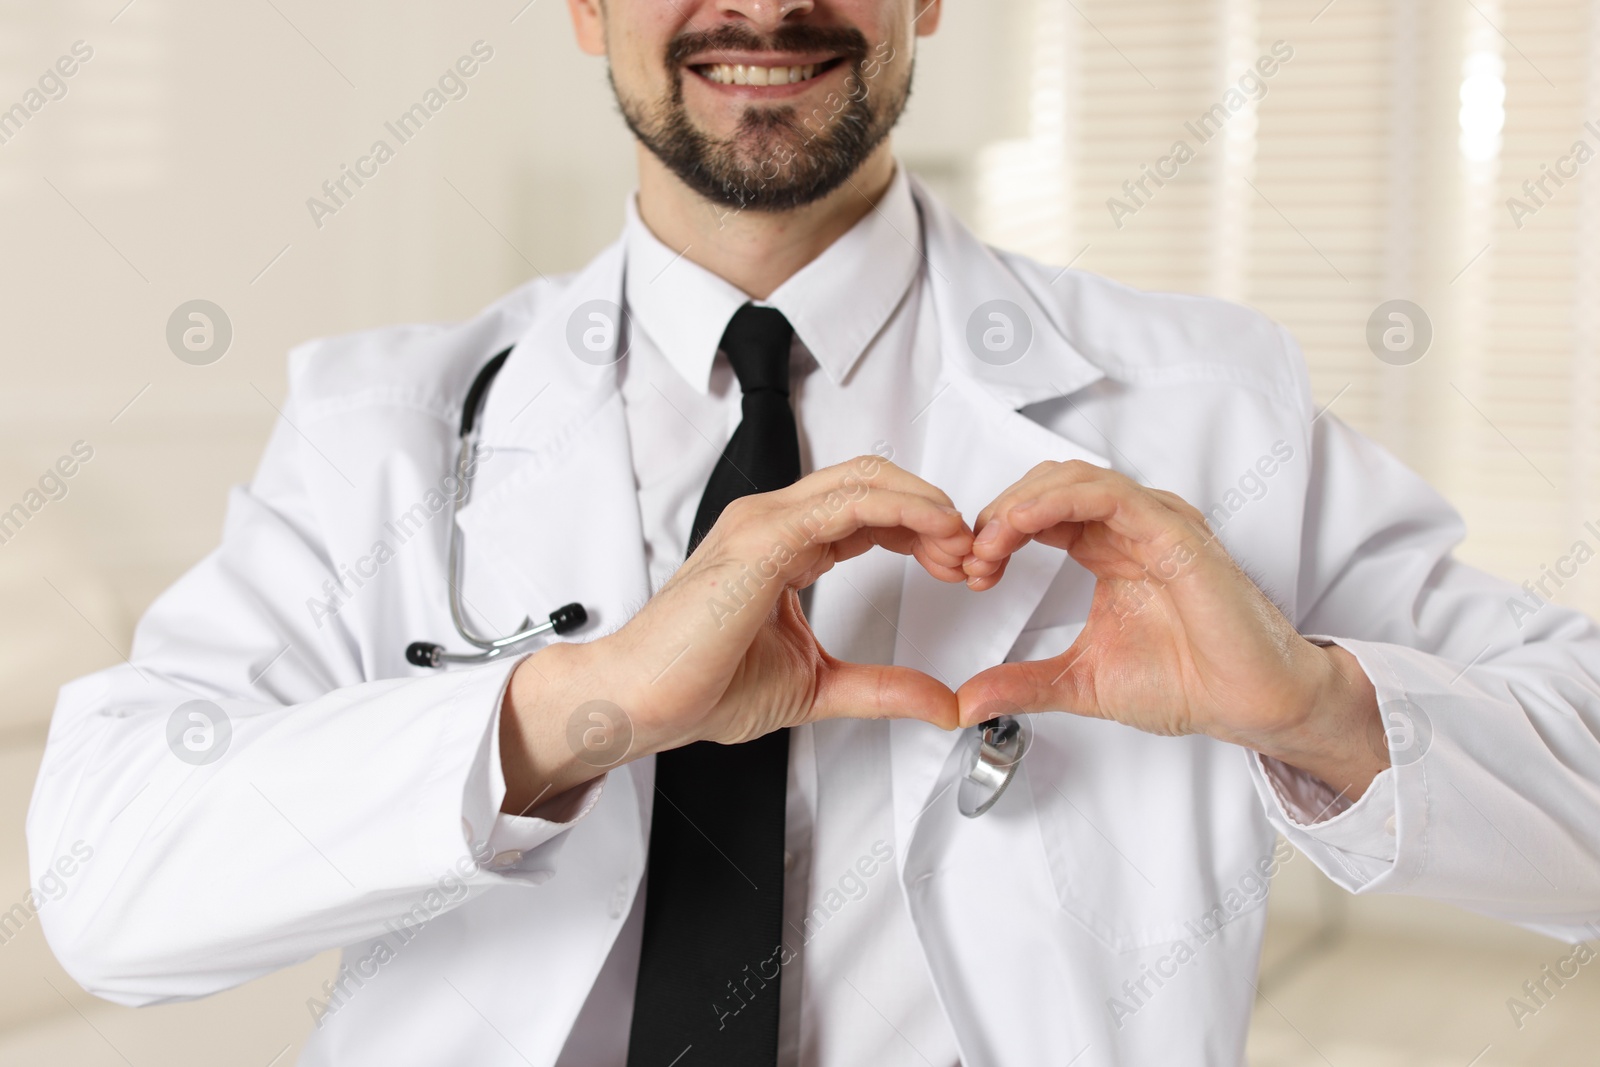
(710, 965)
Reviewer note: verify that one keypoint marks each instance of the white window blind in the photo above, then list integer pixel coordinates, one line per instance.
(1370, 156)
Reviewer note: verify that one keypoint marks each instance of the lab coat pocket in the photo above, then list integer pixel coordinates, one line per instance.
(1148, 839)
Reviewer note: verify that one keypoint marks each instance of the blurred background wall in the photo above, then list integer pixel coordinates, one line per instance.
(1384, 158)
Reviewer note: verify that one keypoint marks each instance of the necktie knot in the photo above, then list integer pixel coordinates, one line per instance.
(757, 343)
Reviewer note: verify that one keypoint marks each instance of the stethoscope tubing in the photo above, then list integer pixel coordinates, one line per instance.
(562, 620)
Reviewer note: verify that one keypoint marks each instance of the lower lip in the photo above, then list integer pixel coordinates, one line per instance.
(764, 92)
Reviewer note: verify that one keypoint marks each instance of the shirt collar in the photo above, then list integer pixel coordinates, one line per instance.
(837, 303)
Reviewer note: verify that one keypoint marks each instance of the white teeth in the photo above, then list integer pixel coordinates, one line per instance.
(738, 74)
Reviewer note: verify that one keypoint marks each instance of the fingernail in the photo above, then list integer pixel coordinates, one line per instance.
(989, 533)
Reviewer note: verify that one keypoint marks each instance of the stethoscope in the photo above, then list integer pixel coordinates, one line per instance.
(991, 751)
(563, 620)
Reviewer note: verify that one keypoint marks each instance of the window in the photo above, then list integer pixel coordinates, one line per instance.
(1317, 160)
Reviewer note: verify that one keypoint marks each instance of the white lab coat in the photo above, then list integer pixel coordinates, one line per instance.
(338, 806)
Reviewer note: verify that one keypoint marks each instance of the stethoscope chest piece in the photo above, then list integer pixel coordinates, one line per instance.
(993, 749)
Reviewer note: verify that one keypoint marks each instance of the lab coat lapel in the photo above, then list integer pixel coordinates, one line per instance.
(562, 524)
(975, 448)
(977, 444)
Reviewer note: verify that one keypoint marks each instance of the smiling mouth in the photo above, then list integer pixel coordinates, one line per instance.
(743, 74)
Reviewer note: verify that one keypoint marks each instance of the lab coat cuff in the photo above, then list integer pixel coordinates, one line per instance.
(1353, 847)
(1364, 827)
(454, 804)
(519, 847)
(1354, 842)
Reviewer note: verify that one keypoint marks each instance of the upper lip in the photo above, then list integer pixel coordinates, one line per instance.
(759, 59)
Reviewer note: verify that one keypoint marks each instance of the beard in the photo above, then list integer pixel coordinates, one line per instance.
(776, 160)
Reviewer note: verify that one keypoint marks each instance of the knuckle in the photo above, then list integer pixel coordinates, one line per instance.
(1080, 470)
(863, 462)
(742, 511)
(821, 476)
(1173, 502)
(868, 468)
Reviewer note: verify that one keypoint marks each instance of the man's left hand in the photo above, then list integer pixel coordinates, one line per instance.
(1178, 639)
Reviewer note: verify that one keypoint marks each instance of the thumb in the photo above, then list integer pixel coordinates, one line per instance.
(1035, 685)
(869, 691)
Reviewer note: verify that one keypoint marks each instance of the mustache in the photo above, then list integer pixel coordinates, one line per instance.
(846, 41)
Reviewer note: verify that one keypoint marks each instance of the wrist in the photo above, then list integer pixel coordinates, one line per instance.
(1337, 736)
(538, 758)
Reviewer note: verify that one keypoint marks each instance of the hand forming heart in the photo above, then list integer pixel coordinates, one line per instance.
(1178, 640)
(723, 652)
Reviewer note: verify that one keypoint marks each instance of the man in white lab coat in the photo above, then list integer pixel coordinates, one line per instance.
(980, 484)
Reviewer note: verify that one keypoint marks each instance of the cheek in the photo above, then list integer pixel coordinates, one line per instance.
(636, 38)
(640, 82)
(888, 65)
(634, 62)
(899, 29)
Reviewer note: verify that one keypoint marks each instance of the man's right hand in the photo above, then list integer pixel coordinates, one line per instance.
(723, 652)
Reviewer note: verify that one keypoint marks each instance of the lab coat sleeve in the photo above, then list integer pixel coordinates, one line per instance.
(306, 805)
(1490, 699)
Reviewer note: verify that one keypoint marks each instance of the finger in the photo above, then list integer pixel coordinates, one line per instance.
(937, 560)
(990, 575)
(868, 691)
(982, 568)
(943, 553)
(799, 540)
(1122, 506)
(1036, 685)
(872, 473)
(780, 533)
(937, 525)
(869, 471)
(997, 535)
(1024, 488)
(1176, 503)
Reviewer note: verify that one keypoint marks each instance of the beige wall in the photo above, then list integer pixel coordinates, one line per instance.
(177, 166)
